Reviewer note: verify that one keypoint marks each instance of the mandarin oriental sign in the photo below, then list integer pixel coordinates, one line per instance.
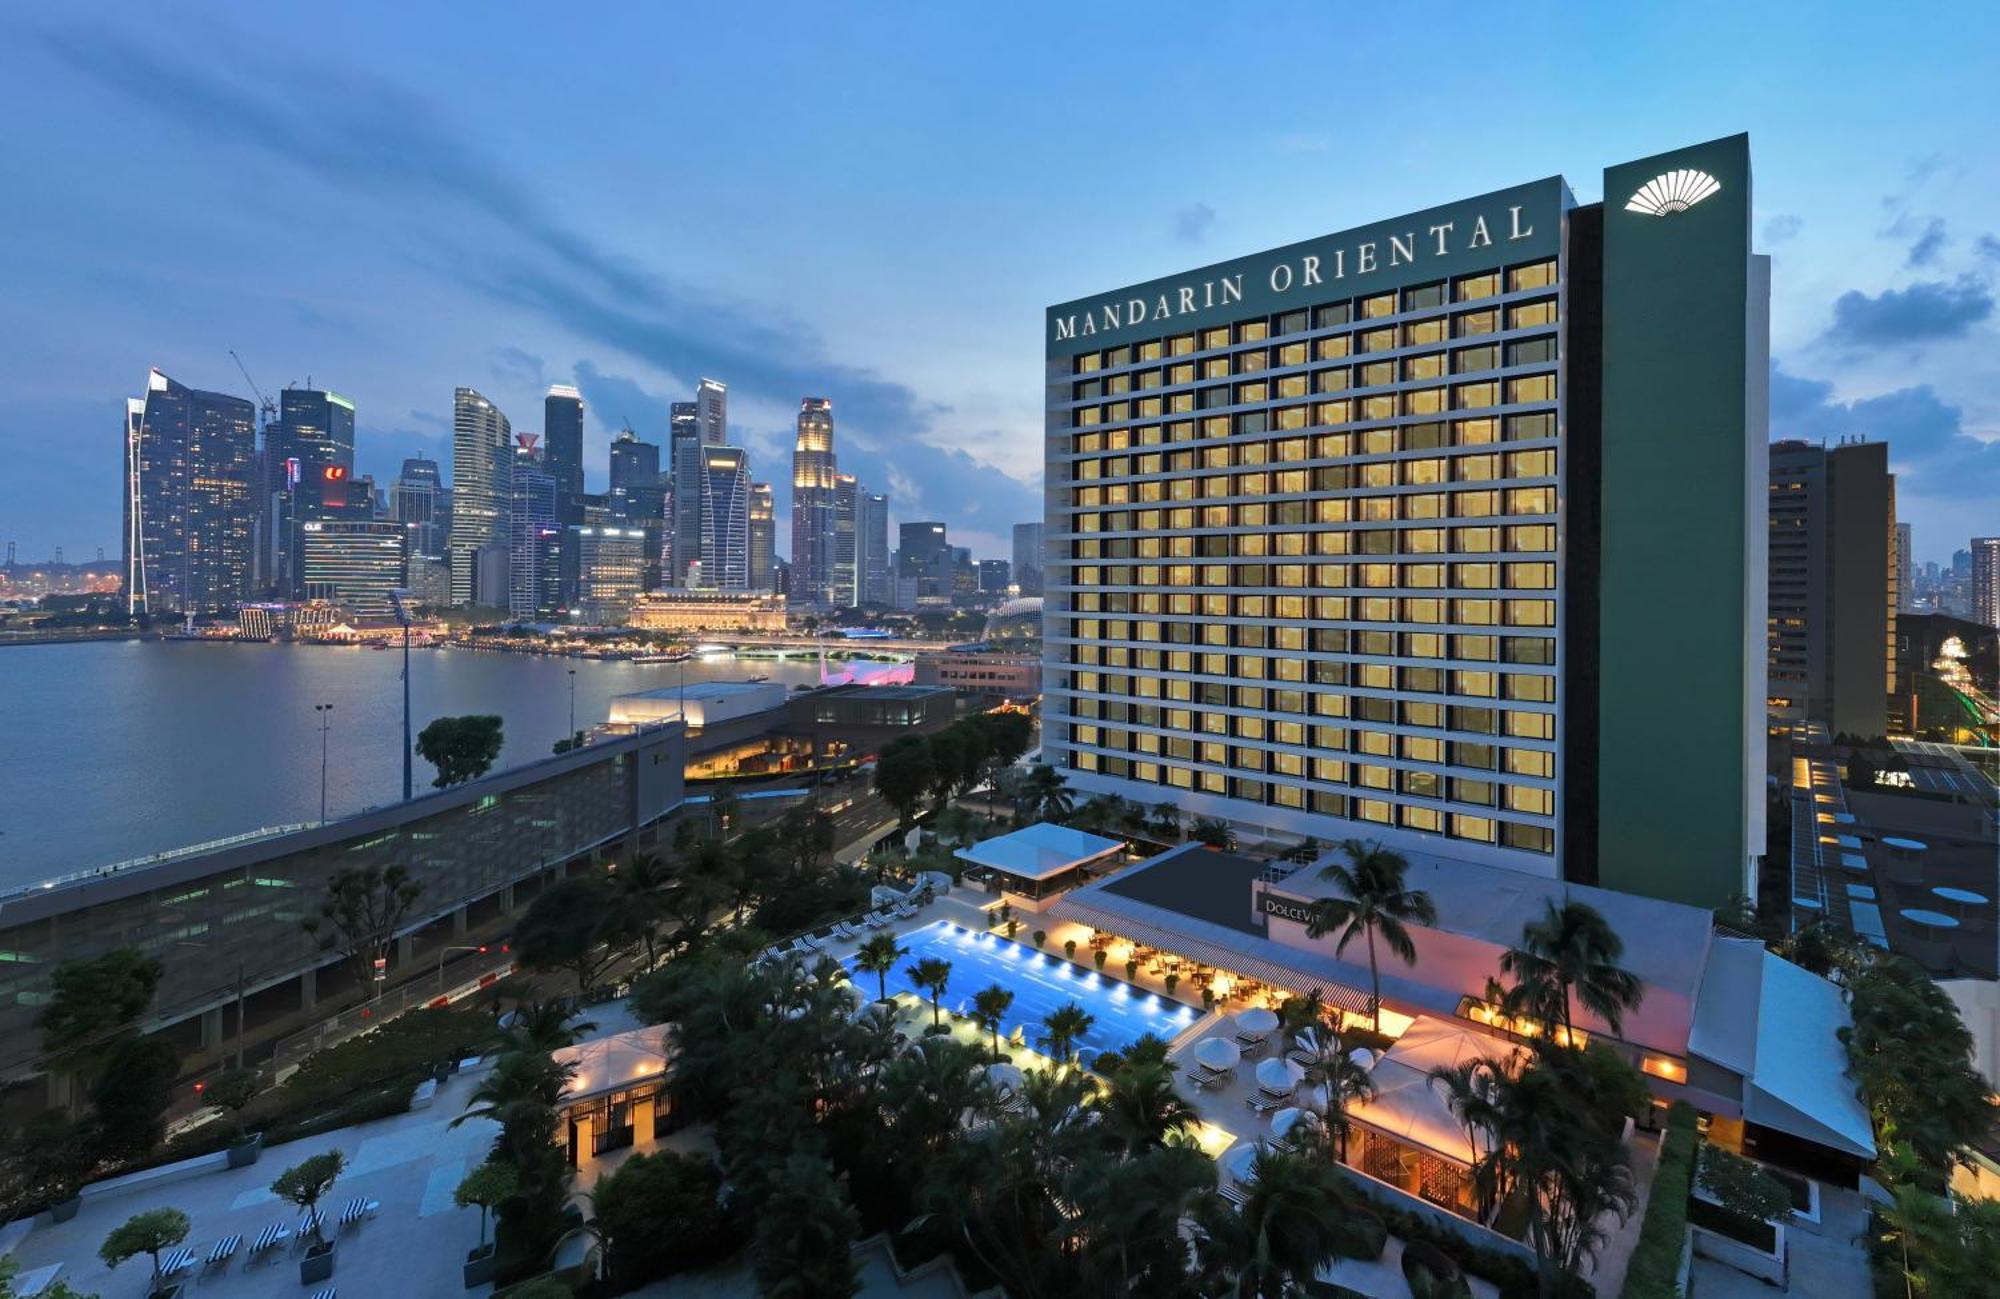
(1516, 225)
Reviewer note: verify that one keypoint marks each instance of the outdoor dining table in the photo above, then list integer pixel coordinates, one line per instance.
(1929, 919)
(1960, 898)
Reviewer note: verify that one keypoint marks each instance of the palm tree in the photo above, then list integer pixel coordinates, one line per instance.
(933, 976)
(1062, 1029)
(1141, 1109)
(1571, 953)
(878, 956)
(1376, 903)
(1292, 1223)
(1045, 795)
(1346, 1083)
(544, 1026)
(1166, 820)
(989, 1008)
(643, 888)
(1214, 832)
(925, 1091)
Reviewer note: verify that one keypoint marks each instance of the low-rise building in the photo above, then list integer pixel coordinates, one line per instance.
(982, 672)
(695, 610)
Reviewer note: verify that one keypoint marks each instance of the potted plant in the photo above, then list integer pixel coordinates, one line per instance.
(486, 1186)
(305, 1184)
(230, 1092)
(1132, 971)
(1101, 956)
(1041, 936)
(1208, 999)
(62, 1151)
(1173, 978)
(1069, 948)
(1013, 927)
(147, 1233)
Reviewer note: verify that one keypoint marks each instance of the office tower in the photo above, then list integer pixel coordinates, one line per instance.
(926, 559)
(725, 518)
(562, 448)
(995, 576)
(309, 474)
(1906, 574)
(534, 536)
(964, 573)
(871, 543)
(190, 498)
(1832, 596)
(611, 565)
(841, 589)
(711, 401)
(813, 474)
(1305, 546)
(1028, 558)
(482, 462)
(1985, 574)
(417, 501)
(353, 563)
(638, 497)
(683, 546)
(763, 537)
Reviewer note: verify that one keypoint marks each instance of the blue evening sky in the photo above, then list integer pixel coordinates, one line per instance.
(875, 202)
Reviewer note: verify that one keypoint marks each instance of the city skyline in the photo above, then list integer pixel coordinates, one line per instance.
(1894, 343)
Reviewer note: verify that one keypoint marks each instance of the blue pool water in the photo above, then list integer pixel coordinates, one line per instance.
(1041, 983)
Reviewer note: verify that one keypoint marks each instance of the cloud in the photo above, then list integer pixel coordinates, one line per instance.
(1783, 227)
(1929, 448)
(1193, 222)
(1988, 247)
(1924, 312)
(1925, 250)
(513, 364)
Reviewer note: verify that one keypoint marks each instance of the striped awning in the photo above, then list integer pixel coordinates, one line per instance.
(1225, 948)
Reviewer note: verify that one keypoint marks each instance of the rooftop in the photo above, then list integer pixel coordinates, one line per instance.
(1038, 851)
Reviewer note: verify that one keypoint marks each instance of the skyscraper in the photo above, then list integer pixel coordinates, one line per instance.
(417, 501)
(482, 463)
(1444, 531)
(190, 494)
(725, 518)
(638, 495)
(611, 564)
(1028, 558)
(1906, 574)
(763, 537)
(871, 543)
(813, 474)
(354, 563)
(562, 449)
(711, 401)
(1985, 580)
(842, 571)
(925, 557)
(309, 464)
(684, 456)
(534, 536)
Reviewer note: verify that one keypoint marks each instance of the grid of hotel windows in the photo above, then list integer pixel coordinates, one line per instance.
(1308, 561)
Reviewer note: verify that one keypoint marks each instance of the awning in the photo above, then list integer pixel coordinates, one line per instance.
(1801, 1084)
(1408, 1106)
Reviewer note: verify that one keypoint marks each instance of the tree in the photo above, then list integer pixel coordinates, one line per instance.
(572, 925)
(1377, 904)
(145, 1233)
(487, 1186)
(1213, 832)
(1293, 1221)
(644, 891)
(1570, 954)
(543, 1027)
(1827, 950)
(904, 774)
(461, 748)
(1911, 1056)
(1944, 1248)
(1346, 1082)
(803, 1248)
(132, 1095)
(950, 753)
(1165, 821)
(1141, 1110)
(307, 1182)
(1062, 1029)
(989, 1010)
(231, 1092)
(878, 956)
(933, 976)
(659, 1214)
(1045, 795)
(807, 833)
(359, 916)
(92, 1003)
(1742, 1186)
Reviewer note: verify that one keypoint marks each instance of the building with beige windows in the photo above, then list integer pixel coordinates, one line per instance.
(695, 610)
(1445, 530)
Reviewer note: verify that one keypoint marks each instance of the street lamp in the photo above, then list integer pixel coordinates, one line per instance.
(477, 947)
(325, 712)
(397, 596)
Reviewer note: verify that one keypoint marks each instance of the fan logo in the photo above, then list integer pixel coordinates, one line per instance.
(1673, 191)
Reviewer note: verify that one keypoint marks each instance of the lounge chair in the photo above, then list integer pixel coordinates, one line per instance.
(1263, 1102)
(177, 1262)
(275, 1234)
(225, 1249)
(1229, 1191)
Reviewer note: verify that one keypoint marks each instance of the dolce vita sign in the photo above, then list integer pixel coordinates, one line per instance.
(1520, 224)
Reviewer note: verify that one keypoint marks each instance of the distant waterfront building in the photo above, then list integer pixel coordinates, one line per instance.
(995, 575)
(534, 539)
(843, 571)
(813, 486)
(429, 579)
(683, 529)
(1000, 675)
(1832, 586)
(482, 463)
(871, 544)
(354, 564)
(417, 500)
(925, 557)
(725, 518)
(309, 465)
(1445, 531)
(190, 499)
(611, 566)
(1985, 572)
(708, 611)
(1028, 558)
(763, 537)
(711, 400)
(1906, 575)
(562, 447)
(638, 494)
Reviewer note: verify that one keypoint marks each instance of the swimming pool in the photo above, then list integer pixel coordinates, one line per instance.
(1041, 983)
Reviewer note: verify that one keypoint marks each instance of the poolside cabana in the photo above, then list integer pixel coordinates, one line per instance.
(1407, 1135)
(1041, 860)
(615, 1099)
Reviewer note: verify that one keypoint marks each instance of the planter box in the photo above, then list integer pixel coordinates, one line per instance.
(172, 1290)
(244, 1155)
(482, 1265)
(317, 1265)
(64, 1210)
(1747, 1259)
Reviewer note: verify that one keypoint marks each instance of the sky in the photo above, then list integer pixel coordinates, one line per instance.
(874, 203)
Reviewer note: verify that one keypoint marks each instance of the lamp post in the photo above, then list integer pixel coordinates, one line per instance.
(325, 712)
(476, 947)
(398, 595)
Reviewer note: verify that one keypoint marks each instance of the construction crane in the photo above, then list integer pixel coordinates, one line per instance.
(265, 406)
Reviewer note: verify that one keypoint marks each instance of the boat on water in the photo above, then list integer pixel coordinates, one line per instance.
(754, 680)
(680, 656)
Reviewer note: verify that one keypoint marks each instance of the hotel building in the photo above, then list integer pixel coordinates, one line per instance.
(1447, 530)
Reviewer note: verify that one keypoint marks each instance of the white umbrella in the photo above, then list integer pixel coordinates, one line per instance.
(1278, 1075)
(1236, 1164)
(1309, 1042)
(1218, 1053)
(1362, 1056)
(1257, 1019)
(1316, 1098)
(1290, 1117)
(1004, 1076)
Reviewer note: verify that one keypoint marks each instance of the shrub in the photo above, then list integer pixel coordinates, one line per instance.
(646, 1194)
(402, 1050)
(1366, 1235)
(1656, 1259)
(1432, 1274)
(1514, 1277)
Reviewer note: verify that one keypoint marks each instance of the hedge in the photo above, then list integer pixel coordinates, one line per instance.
(1656, 1259)
(1513, 1276)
